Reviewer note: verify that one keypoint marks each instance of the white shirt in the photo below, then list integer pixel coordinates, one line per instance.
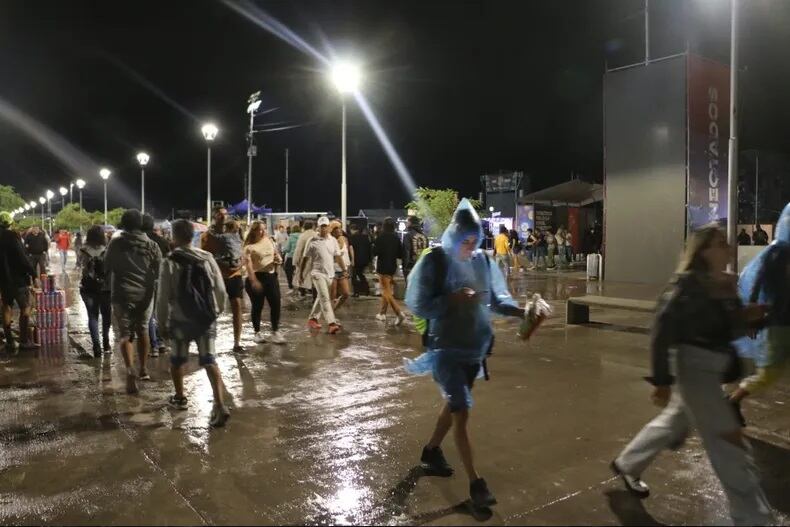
(322, 252)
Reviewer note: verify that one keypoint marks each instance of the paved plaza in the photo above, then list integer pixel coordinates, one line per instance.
(328, 429)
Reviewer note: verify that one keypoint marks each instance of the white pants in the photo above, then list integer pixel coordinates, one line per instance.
(322, 304)
(700, 402)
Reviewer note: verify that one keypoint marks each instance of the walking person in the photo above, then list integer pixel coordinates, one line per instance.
(454, 288)
(224, 244)
(77, 246)
(362, 254)
(551, 248)
(322, 253)
(132, 262)
(37, 246)
(16, 274)
(387, 250)
(191, 297)
(157, 342)
(699, 317)
(63, 242)
(414, 243)
(95, 288)
(515, 250)
(532, 242)
(502, 251)
(341, 289)
(303, 280)
(281, 238)
(290, 248)
(261, 258)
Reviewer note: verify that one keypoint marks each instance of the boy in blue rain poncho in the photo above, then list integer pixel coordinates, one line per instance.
(455, 288)
(767, 280)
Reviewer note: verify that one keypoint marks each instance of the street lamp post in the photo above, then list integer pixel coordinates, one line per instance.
(63, 191)
(143, 159)
(252, 107)
(49, 194)
(209, 131)
(71, 193)
(345, 77)
(80, 185)
(42, 201)
(732, 186)
(104, 173)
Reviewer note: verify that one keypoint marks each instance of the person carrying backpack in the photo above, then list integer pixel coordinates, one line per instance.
(414, 243)
(191, 297)
(95, 289)
(454, 287)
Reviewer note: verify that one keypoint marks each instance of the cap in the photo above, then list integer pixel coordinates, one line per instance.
(323, 220)
(6, 219)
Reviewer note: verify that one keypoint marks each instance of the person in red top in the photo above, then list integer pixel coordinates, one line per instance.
(63, 241)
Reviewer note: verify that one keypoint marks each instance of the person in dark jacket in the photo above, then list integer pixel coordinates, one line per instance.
(363, 249)
(16, 273)
(37, 246)
(95, 288)
(157, 343)
(699, 317)
(414, 243)
(387, 251)
(132, 262)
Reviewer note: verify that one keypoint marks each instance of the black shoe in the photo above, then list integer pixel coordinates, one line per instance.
(433, 463)
(736, 407)
(635, 486)
(481, 496)
(106, 344)
(96, 351)
(180, 403)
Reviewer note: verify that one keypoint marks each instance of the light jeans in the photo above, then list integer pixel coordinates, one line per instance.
(699, 401)
(323, 303)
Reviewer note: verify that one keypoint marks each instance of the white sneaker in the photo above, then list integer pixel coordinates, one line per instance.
(401, 319)
(277, 337)
(381, 317)
(259, 338)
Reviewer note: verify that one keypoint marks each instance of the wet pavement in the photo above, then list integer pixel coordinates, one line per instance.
(328, 430)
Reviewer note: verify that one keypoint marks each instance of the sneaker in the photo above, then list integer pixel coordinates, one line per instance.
(179, 403)
(163, 349)
(334, 328)
(131, 383)
(401, 319)
(313, 324)
(259, 338)
(277, 337)
(237, 348)
(219, 416)
(106, 345)
(145, 377)
(433, 463)
(154, 352)
(96, 351)
(481, 496)
(635, 486)
(381, 317)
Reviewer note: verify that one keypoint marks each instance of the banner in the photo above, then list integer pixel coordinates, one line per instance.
(709, 132)
(544, 218)
(525, 219)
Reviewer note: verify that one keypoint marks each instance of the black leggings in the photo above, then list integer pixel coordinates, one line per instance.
(289, 272)
(270, 293)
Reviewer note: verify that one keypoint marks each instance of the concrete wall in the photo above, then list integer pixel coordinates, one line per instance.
(645, 171)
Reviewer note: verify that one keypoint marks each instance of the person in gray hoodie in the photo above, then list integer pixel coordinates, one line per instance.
(132, 262)
(176, 324)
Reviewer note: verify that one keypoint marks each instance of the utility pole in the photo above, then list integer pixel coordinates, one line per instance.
(286, 180)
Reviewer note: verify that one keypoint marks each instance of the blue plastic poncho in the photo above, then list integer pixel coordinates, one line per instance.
(756, 348)
(457, 333)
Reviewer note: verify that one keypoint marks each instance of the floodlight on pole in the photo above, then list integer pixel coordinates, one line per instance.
(143, 159)
(346, 78)
(104, 173)
(42, 200)
(80, 185)
(49, 194)
(209, 131)
(27, 206)
(254, 102)
(71, 193)
(33, 204)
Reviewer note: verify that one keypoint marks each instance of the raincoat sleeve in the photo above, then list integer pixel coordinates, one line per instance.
(421, 291)
(501, 300)
(164, 293)
(220, 294)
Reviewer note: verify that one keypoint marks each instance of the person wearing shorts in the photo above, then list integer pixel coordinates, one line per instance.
(453, 290)
(176, 326)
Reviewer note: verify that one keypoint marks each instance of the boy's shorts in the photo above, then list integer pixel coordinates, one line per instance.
(456, 379)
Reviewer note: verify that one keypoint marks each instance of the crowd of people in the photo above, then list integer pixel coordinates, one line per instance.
(162, 294)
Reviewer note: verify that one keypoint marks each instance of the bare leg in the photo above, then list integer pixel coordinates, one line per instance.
(384, 303)
(235, 305)
(443, 424)
(217, 387)
(461, 435)
(342, 292)
(391, 297)
(7, 317)
(24, 326)
(177, 374)
(126, 353)
(143, 348)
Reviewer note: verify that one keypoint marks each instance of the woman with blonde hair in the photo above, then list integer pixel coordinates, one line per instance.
(699, 317)
(341, 289)
(261, 259)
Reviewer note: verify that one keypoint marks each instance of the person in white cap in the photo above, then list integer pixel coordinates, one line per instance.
(324, 252)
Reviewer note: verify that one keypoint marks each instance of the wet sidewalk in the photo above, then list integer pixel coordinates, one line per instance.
(328, 429)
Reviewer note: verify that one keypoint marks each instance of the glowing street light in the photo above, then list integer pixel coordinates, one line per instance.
(27, 206)
(32, 204)
(346, 78)
(143, 159)
(49, 194)
(254, 103)
(104, 173)
(42, 200)
(63, 191)
(80, 185)
(209, 131)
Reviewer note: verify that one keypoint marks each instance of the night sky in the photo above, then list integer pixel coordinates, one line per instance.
(463, 88)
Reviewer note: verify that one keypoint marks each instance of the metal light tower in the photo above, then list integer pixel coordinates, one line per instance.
(71, 193)
(253, 103)
(143, 159)
(49, 194)
(104, 173)
(210, 132)
(345, 77)
(42, 200)
(80, 185)
(63, 191)
(732, 186)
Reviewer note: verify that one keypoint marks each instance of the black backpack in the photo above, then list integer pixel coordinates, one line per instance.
(195, 294)
(93, 274)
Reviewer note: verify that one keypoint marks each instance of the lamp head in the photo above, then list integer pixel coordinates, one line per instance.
(27, 206)
(49, 194)
(209, 131)
(42, 200)
(80, 184)
(32, 204)
(104, 173)
(63, 191)
(142, 158)
(345, 77)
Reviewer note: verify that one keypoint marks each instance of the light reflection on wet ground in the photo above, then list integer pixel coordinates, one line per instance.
(328, 430)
